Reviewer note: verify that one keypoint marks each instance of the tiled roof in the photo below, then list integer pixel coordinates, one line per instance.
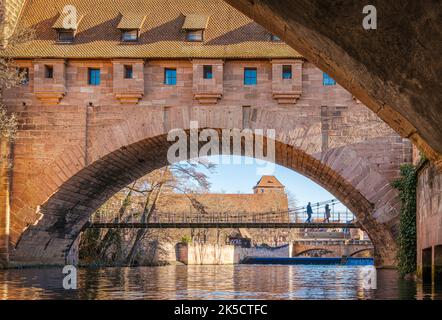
(229, 33)
(269, 181)
(131, 21)
(59, 23)
(195, 22)
(224, 203)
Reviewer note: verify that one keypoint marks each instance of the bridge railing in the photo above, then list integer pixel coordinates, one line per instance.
(289, 216)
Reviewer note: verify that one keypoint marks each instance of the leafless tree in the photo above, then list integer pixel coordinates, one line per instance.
(10, 76)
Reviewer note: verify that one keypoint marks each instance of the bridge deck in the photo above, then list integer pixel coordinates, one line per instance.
(222, 225)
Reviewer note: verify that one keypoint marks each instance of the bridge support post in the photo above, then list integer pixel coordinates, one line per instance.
(4, 200)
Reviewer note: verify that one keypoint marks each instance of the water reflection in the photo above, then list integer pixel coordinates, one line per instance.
(212, 282)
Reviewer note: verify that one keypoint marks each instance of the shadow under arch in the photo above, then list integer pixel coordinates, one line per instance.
(65, 213)
(312, 250)
(359, 251)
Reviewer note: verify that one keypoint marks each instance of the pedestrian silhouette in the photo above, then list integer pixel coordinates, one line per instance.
(309, 213)
(327, 213)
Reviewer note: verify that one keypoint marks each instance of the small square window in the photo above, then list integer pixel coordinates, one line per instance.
(49, 72)
(128, 72)
(287, 72)
(275, 38)
(194, 35)
(94, 76)
(207, 72)
(250, 76)
(327, 80)
(170, 76)
(129, 35)
(24, 75)
(66, 36)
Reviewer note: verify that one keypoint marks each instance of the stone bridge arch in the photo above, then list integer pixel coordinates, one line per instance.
(57, 202)
(313, 249)
(359, 251)
(390, 69)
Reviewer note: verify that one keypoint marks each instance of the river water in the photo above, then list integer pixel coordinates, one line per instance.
(212, 282)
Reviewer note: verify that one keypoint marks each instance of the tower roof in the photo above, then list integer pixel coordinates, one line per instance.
(269, 181)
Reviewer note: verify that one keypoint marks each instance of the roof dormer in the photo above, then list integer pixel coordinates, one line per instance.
(194, 27)
(130, 26)
(66, 25)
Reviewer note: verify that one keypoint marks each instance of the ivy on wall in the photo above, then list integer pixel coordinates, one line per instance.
(407, 227)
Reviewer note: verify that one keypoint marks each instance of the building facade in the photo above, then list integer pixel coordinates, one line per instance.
(148, 66)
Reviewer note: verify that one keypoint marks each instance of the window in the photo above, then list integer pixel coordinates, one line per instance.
(327, 80)
(275, 38)
(250, 76)
(128, 73)
(194, 35)
(94, 76)
(49, 72)
(287, 72)
(65, 36)
(24, 75)
(170, 76)
(207, 72)
(129, 35)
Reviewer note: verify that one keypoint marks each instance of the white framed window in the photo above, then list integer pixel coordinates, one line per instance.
(129, 35)
(195, 35)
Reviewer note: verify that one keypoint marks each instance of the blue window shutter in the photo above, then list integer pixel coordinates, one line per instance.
(94, 77)
(250, 76)
(170, 76)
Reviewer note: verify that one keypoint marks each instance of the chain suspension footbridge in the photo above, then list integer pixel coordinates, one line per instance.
(292, 218)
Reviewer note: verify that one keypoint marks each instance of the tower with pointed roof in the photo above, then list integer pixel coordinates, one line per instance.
(268, 184)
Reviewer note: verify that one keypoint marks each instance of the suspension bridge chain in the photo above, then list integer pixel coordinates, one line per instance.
(291, 218)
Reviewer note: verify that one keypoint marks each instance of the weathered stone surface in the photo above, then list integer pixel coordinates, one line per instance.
(429, 216)
(71, 157)
(394, 69)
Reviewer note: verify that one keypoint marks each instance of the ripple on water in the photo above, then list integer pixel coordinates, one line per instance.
(212, 282)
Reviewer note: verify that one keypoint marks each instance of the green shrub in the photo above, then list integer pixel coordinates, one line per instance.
(407, 227)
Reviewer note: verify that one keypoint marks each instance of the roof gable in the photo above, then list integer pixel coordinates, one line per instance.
(131, 21)
(269, 181)
(195, 22)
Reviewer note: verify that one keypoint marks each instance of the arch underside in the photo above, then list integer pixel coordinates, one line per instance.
(390, 69)
(359, 251)
(65, 212)
(326, 251)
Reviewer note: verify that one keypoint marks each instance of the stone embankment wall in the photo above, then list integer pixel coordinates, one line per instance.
(225, 254)
(429, 223)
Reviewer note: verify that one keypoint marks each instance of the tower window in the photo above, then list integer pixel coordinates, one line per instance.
(128, 72)
(207, 72)
(49, 72)
(94, 77)
(327, 80)
(170, 76)
(250, 76)
(129, 35)
(195, 35)
(287, 72)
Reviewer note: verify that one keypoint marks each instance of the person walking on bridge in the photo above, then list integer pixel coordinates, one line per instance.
(309, 213)
(327, 213)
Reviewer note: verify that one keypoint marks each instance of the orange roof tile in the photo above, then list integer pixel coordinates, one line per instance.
(195, 22)
(269, 181)
(229, 33)
(131, 21)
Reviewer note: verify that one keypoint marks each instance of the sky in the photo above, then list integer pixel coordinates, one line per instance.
(240, 178)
